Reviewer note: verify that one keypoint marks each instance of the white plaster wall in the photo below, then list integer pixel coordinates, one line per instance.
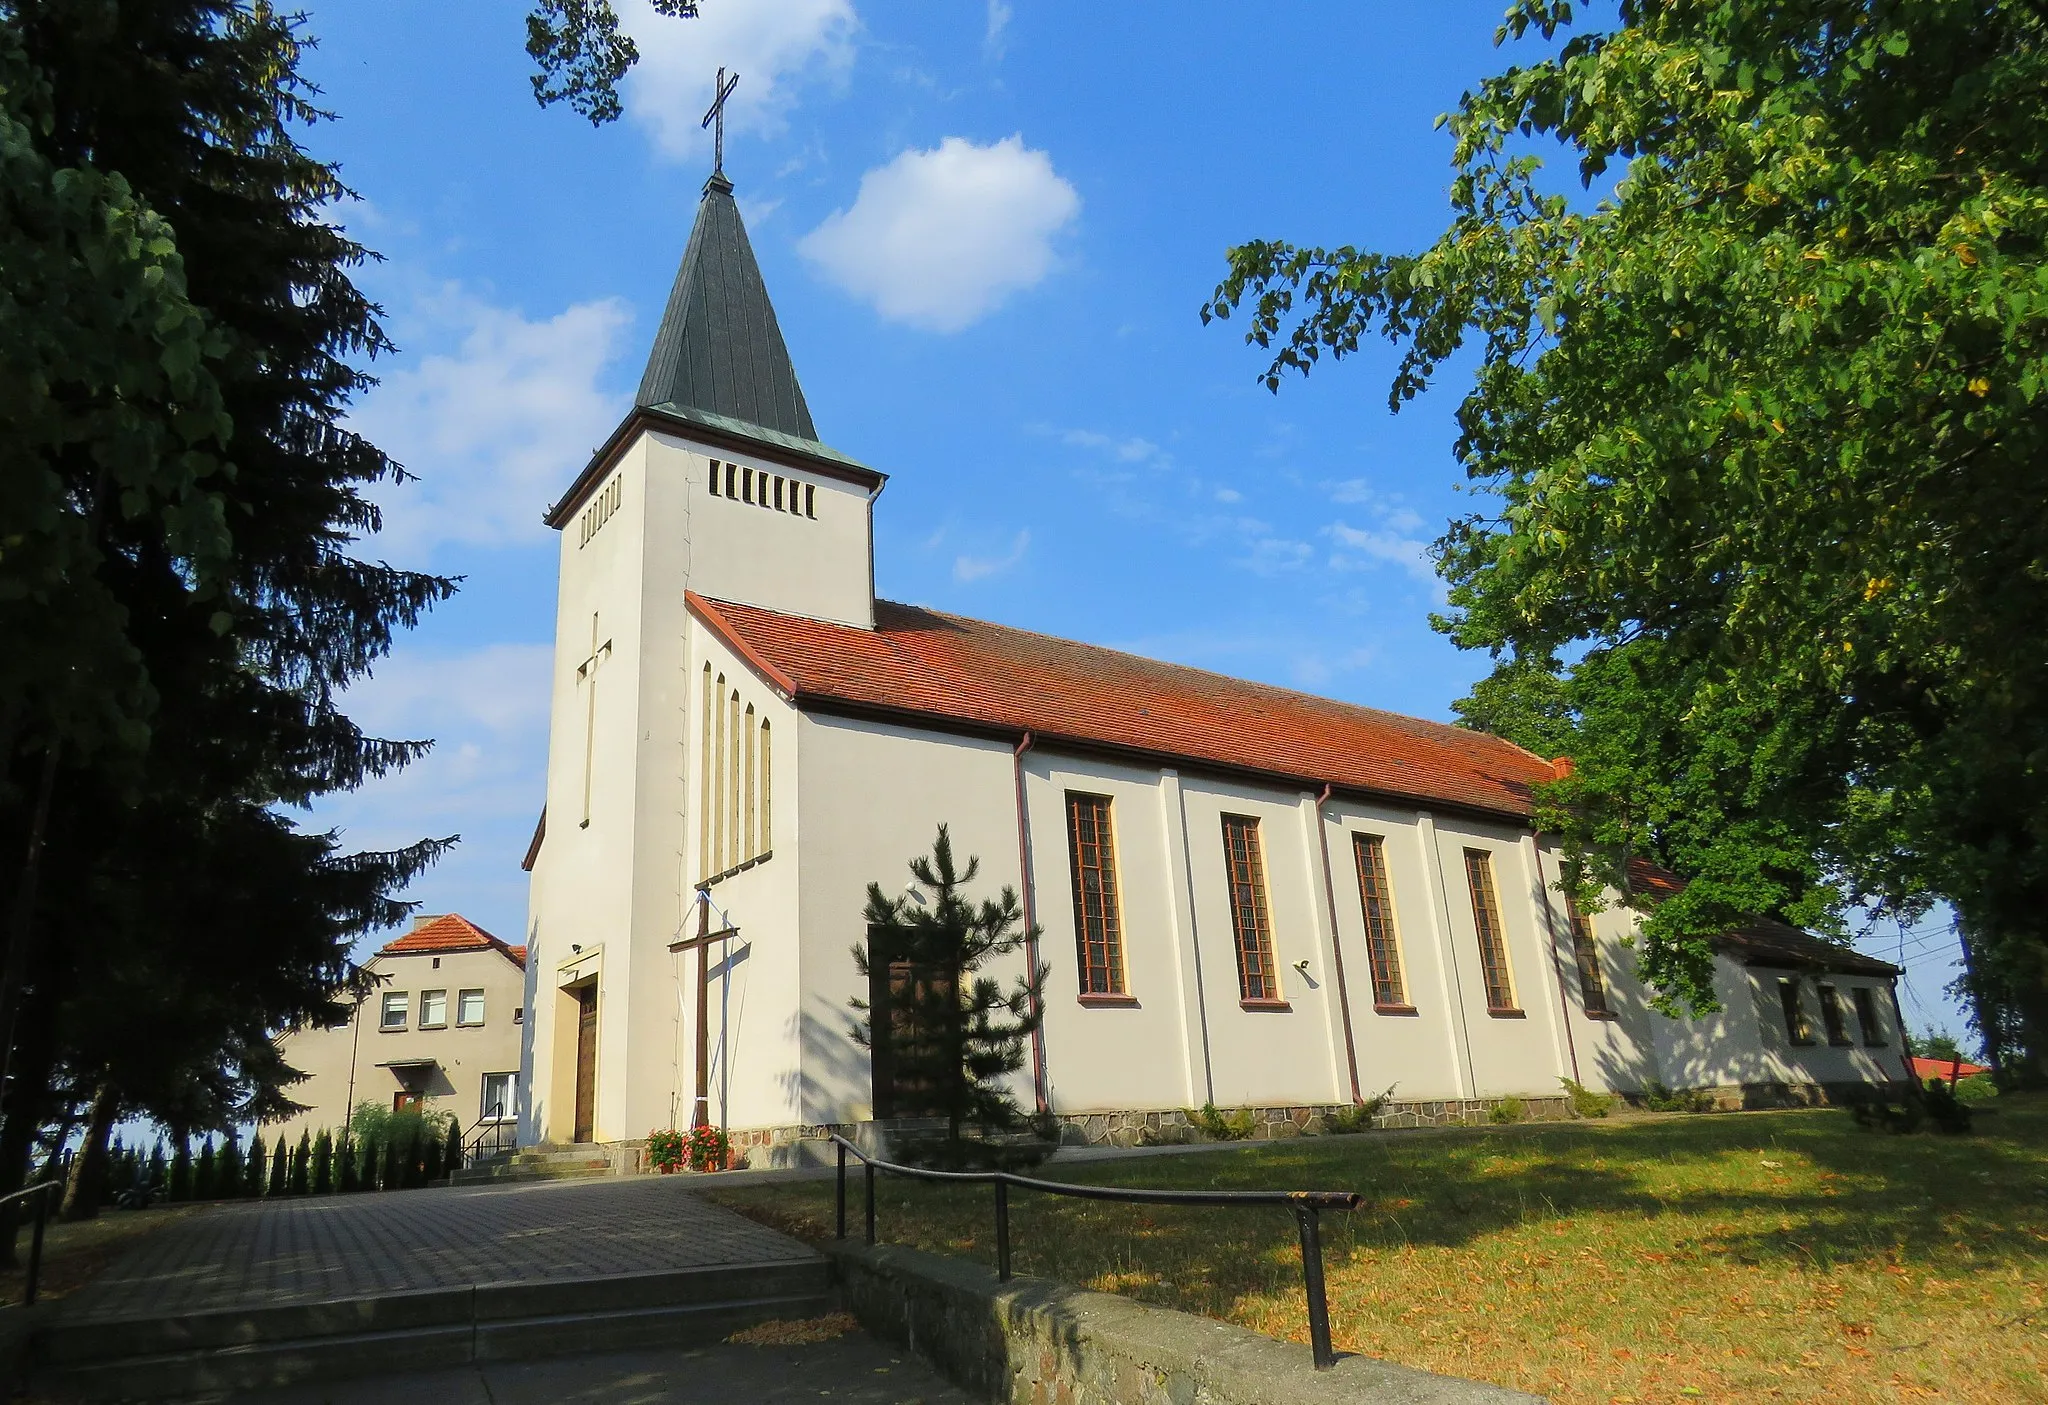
(781, 561)
(1746, 1041)
(1418, 1054)
(1617, 1053)
(1263, 1057)
(872, 796)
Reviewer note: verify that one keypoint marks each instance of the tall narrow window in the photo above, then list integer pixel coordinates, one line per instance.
(1592, 985)
(1257, 982)
(1831, 1015)
(732, 473)
(748, 848)
(1866, 1016)
(810, 500)
(778, 492)
(707, 812)
(735, 837)
(1797, 1028)
(767, 794)
(1493, 951)
(716, 818)
(1382, 943)
(1098, 922)
(714, 476)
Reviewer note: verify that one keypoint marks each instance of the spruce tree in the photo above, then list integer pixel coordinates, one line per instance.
(392, 1174)
(158, 1166)
(955, 1032)
(280, 1170)
(302, 1158)
(416, 1157)
(203, 1187)
(323, 1163)
(228, 1170)
(345, 1155)
(451, 1151)
(255, 1169)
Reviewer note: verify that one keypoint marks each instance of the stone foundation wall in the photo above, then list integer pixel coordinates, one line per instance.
(1177, 1126)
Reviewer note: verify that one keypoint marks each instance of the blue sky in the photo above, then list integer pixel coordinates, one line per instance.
(987, 229)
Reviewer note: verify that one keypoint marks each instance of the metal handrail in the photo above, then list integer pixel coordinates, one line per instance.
(502, 1132)
(1307, 1205)
(35, 1244)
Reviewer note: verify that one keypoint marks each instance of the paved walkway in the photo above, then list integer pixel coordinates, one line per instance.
(852, 1370)
(344, 1246)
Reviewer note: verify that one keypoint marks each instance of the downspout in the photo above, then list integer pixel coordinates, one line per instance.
(1337, 946)
(1038, 1093)
(1564, 1008)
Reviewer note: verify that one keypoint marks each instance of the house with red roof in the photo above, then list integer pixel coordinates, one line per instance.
(1243, 895)
(441, 1029)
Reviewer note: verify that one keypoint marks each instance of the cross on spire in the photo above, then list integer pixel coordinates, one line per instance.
(722, 89)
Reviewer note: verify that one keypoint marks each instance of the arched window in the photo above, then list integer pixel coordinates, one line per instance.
(767, 794)
(736, 840)
(715, 817)
(705, 810)
(748, 847)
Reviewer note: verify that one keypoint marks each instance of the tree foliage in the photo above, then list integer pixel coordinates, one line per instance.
(953, 1033)
(1764, 424)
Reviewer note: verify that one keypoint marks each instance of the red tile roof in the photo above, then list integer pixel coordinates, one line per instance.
(924, 665)
(1945, 1068)
(439, 936)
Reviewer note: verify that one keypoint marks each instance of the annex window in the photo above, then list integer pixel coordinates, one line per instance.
(392, 1015)
(1592, 985)
(469, 1007)
(1382, 943)
(1493, 950)
(1257, 982)
(1797, 1029)
(1098, 921)
(433, 1009)
(1831, 1015)
(500, 1096)
(1866, 1016)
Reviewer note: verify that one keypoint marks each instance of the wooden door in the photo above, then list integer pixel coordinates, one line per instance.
(586, 1063)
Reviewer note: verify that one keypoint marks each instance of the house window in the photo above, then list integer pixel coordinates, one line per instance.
(393, 1014)
(1866, 1016)
(1831, 1016)
(1257, 982)
(1592, 985)
(433, 1009)
(1098, 922)
(1382, 945)
(1796, 1027)
(500, 1096)
(469, 1007)
(1493, 951)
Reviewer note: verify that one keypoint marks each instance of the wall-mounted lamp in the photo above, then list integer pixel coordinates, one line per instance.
(575, 950)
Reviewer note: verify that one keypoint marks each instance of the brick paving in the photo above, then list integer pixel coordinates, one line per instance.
(345, 1246)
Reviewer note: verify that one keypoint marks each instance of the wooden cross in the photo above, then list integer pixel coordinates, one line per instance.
(586, 672)
(700, 1112)
(722, 87)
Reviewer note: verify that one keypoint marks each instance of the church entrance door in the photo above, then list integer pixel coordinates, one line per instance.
(586, 1062)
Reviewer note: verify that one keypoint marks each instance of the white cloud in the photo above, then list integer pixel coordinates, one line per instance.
(1132, 449)
(496, 428)
(939, 239)
(1409, 553)
(999, 16)
(974, 568)
(774, 45)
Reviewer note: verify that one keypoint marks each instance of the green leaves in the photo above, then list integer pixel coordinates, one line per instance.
(1766, 432)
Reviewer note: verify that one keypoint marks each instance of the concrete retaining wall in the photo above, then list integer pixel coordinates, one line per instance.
(1032, 1342)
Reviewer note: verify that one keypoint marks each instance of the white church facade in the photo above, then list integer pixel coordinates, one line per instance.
(1248, 896)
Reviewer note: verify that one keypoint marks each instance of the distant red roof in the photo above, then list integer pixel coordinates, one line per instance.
(1945, 1068)
(449, 933)
(921, 665)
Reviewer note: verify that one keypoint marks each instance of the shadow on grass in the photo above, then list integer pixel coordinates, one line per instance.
(1799, 1191)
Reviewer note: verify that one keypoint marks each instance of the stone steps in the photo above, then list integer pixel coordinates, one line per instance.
(267, 1348)
(537, 1164)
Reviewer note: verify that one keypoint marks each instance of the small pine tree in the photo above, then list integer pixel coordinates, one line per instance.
(302, 1161)
(369, 1156)
(345, 1156)
(416, 1157)
(323, 1163)
(228, 1171)
(451, 1149)
(392, 1176)
(203, 1184)
(181, 1172)
(255, 1169)
(280, 1169)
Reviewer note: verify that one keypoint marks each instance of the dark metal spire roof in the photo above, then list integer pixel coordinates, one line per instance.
(719, 350)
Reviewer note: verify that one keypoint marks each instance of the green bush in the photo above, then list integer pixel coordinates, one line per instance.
(1584, 1101)
(1360, 1116)
(1658, 1098)
(1508, 1109)
(1977, 1088)
(666, 1150)
(323, 1163)
(1233, 1127)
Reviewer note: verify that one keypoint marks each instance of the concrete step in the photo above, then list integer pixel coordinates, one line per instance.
(264, 1348)
(532, 1171)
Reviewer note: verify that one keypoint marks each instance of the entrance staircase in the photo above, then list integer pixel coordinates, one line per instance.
(265, 1348)
(536, 1163)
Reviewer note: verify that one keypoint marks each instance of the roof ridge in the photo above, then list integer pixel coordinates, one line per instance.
(1451, 728)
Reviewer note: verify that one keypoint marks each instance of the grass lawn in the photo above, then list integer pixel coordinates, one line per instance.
(1733, 1256)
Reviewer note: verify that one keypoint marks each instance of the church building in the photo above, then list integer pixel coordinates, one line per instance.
(1248, 896)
